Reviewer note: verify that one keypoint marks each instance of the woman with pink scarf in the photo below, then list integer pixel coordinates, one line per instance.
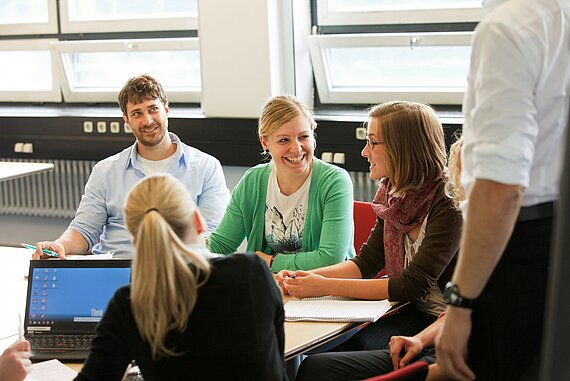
(417, 233)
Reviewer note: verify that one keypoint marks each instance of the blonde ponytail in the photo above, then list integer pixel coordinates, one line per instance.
(164, 289)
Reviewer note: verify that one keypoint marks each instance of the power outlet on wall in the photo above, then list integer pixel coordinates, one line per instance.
(360, 133)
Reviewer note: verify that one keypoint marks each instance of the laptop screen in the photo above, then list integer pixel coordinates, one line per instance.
(72, 295)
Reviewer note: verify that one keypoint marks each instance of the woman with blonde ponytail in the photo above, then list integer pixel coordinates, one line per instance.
(187, 313)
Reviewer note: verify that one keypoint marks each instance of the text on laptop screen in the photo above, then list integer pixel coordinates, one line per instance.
(65, 295)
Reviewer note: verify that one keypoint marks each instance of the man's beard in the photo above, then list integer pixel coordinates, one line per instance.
(151, 143)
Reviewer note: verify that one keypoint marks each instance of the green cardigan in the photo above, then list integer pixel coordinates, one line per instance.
(328, 232)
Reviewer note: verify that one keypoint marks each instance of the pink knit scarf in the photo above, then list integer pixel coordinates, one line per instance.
(400, 215)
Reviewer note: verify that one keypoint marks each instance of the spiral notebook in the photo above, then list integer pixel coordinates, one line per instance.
(338, 309)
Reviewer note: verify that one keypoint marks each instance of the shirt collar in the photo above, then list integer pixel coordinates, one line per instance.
(181, 153)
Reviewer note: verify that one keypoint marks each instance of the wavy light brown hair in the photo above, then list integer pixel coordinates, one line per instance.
(166, 274)
(415, 144)
(141, 88)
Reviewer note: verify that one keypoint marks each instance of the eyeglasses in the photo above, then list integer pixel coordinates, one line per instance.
(370, 144)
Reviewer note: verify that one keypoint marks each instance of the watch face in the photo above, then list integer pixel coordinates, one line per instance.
(450, 293)
(452, 296)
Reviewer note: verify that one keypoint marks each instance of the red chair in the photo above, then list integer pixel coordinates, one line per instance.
(364, 221)
(415, 371)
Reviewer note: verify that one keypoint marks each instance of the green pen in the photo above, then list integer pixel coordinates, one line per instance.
(45, 251)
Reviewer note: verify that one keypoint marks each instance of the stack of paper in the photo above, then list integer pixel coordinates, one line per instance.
(51, 370)
(338, 309)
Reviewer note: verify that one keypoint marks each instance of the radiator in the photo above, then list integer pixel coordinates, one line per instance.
(364, 188)
(57, 193)
(54, 193)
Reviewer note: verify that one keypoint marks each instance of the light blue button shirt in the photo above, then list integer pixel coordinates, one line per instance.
(99, 217)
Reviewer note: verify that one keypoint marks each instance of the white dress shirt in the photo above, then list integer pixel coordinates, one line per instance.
(516, 103)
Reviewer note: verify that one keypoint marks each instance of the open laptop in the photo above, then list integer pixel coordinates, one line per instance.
(65, 301)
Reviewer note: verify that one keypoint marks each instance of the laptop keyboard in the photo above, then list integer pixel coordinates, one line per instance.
(60, 342)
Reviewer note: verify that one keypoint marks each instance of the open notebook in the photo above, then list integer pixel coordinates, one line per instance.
(331, 308)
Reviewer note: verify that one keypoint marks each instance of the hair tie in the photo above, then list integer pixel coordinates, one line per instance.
(150, 210)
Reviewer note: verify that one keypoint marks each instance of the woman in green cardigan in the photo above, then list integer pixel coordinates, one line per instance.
(296, 210)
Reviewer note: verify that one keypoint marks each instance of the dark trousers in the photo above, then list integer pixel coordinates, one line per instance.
(507, 321)
(407, 322)
(366, 354)
(348, 366)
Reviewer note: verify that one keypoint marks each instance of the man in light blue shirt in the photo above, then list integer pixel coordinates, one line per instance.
(99, 223)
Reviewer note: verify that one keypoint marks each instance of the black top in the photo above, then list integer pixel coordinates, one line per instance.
(235, 331)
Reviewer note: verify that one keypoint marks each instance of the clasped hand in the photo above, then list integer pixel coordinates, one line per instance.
(301, 284)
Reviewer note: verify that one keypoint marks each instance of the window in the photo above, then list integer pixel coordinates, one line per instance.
(371, 51)
(28, 17)
(372, 12)
(100, 45)
(27, 72)
(95, 71)
(372, 68)
(85, 16)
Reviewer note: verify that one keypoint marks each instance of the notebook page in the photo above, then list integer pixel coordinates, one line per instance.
(335, 309)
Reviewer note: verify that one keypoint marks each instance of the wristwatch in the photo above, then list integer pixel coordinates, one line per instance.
(452, 297)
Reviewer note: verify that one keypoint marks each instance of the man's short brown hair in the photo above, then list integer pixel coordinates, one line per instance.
(140, 88)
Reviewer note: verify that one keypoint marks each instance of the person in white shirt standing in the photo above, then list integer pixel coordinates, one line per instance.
(516, 116)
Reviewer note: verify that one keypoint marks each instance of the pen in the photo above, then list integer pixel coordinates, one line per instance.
(20, 328)
(45, 251)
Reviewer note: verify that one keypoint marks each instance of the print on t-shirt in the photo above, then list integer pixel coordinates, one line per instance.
(285, 216)
(284, 237)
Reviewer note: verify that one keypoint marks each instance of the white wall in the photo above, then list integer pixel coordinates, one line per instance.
(247, 54)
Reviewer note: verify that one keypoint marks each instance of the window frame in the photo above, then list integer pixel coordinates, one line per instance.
(49, 27)
(326, 17)
(53, 95)
(122, 25)
(319, 43)
(71, 95)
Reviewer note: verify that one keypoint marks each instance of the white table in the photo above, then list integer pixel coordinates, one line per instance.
(11, 170)
(300, 337)
(14, 264)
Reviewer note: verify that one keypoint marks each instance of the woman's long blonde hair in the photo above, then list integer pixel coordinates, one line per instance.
(159, 213)
(453, 187)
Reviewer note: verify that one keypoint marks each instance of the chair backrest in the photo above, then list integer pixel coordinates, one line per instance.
(415, 371)
(364, 221)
